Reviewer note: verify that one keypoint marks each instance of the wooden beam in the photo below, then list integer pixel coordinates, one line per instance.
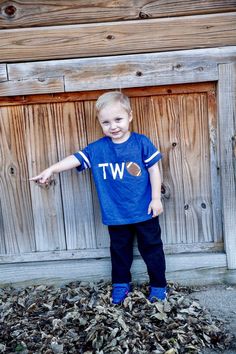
(3, 72)
(34, 86)
(167, 68)
(227, 132)
(176, 62)
(27, 13)
(93, 95)
(104, 253)
(94, 269)
(87, 40)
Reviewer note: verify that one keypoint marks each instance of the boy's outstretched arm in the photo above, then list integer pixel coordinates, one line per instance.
(63, 165)
(155, 205)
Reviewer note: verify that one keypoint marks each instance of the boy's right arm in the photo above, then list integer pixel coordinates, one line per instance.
(63, 165)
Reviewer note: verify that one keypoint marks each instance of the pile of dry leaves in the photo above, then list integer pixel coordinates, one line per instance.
(79, 318)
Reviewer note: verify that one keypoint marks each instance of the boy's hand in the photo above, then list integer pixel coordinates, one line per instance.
(155, 207)
(43, 177)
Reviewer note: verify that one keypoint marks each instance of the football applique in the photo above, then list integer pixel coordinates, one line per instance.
(133, 168)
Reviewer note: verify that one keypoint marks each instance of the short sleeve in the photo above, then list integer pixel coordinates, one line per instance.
(151, 154)
(84, 159)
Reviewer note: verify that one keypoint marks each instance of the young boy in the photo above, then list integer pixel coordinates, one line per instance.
(126, 174)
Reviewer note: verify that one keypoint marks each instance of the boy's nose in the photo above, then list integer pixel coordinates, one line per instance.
(113, 126)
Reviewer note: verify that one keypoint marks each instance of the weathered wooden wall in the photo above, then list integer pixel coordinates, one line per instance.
(75, 29)
(57, 48)
(27, 13)
(63, 217)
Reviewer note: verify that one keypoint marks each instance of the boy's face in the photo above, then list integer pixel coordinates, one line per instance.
(115, 120)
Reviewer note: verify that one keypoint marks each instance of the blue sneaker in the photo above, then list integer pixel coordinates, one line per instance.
(157, 294)
(119, 292)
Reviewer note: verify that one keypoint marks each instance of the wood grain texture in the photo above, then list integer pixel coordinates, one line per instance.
(93, 95)
(25, 13)
(118, 37)
(227, 131)
(125, 67)
(194, 141)
(17, 223)
(165, 112)
(181, 124)
(94, 132)
(3, 72)
(65, 271)
(76, 188)
(215, 166)
(34, 86)
(2, 233)
(176, 120)
(137, 72)
(103, 252)
(46, 203)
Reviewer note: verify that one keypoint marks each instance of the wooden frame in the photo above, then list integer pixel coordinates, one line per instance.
(170, 68)
(100, 268)
(227, 131)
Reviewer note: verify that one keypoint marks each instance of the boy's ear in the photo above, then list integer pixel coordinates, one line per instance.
(130, 116)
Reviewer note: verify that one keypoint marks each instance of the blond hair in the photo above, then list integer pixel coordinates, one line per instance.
(113, 97)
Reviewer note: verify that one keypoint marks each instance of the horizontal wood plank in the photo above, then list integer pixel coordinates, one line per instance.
(93, 95)
(124, 71)
(93, 270)
(126, 66)
(27, 13)
(3, 72)
(87, 40)
(31, 86)
(104, 252)
(135, 74)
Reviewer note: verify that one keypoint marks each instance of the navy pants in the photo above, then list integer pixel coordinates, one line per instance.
(150, 247)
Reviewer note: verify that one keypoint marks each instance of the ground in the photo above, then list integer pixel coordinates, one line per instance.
(79, 318)
(220, 300)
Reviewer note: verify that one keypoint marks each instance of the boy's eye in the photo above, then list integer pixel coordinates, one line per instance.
(118, 119)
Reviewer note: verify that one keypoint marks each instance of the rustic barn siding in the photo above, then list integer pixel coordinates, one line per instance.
(70, 119)
(140, 70)
(187, 122)
(26, 13)
(67, 216)
(227, 124)
(87, 40)
(16, 209)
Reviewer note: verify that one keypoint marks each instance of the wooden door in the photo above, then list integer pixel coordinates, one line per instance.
(37, 131)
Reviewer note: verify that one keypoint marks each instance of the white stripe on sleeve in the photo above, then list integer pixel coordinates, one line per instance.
(85, 158)
(152, 157)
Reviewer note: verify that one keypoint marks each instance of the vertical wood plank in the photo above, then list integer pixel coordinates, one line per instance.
(196, 162)
(94, 132)
(227, 131)
(214, 167)
(3, 72)
(167, 120)
(157, 117)
(2, 233)
(76, 188)
(42, 152)
(17, 225)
